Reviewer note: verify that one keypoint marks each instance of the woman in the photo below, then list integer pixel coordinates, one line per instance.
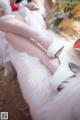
(26, 38)
(30, 37)
(25, 43)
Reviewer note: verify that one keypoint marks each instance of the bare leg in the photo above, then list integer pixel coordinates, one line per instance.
(31, 48)
(20, 28)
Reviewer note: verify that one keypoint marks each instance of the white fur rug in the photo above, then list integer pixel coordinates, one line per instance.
(45, 103)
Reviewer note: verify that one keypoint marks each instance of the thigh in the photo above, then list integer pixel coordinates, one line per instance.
(20, 28)
(25, 45)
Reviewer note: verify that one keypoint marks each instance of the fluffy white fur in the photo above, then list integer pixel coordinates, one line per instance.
(65, 106)
(34, 80)
(44, 102)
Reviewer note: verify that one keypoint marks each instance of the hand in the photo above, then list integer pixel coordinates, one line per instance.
(33, 6)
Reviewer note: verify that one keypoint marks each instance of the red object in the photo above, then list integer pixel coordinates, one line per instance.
(77, 45)
(15, 7)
